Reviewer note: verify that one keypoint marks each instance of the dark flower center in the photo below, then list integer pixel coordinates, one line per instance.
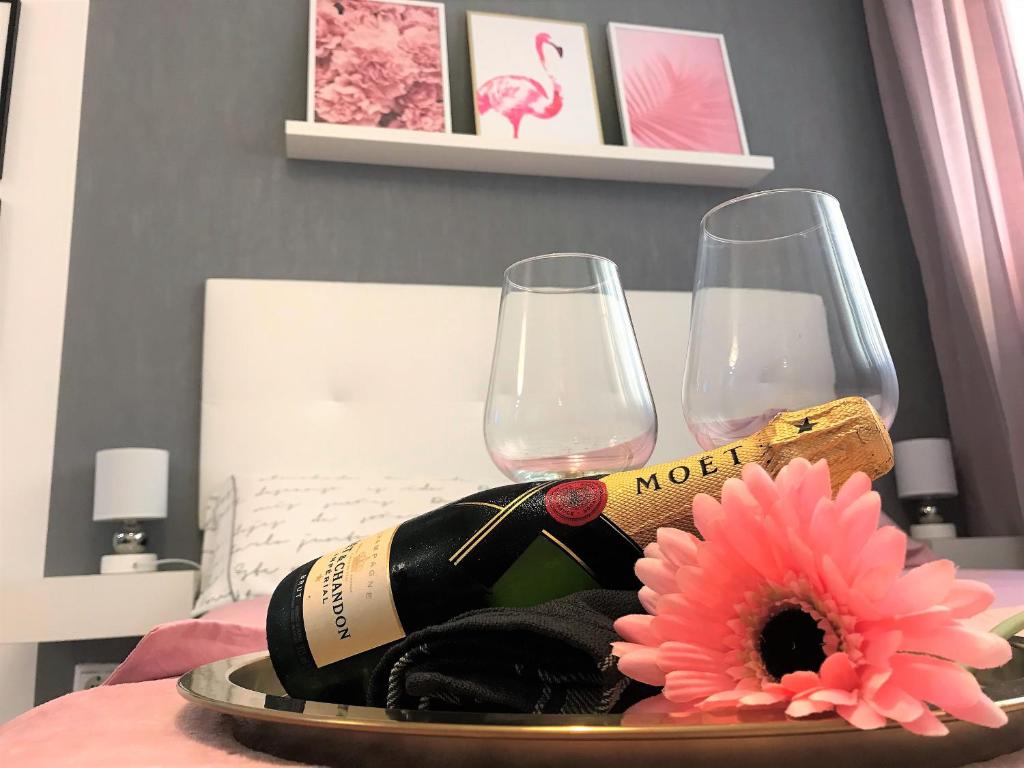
(791, 641)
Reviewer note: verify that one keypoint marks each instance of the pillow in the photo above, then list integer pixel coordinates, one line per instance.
(172, 649)
(258, 528)
(246, 613)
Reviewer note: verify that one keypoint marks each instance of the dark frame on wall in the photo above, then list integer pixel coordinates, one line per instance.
(7, 77)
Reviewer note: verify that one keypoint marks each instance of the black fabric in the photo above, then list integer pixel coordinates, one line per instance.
(550, 658)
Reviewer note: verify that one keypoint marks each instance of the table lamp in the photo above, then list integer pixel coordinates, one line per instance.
(924, 472)
(131, 485)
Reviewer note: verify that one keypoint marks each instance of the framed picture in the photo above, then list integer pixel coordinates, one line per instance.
(675, 90)
(532, 79)
(380, 63)
(9, 11)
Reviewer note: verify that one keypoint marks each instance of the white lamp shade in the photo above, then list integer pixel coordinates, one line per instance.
(924, 468)
(131, 484)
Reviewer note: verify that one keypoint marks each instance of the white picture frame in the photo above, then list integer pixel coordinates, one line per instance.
(311, 115)
(618, 73)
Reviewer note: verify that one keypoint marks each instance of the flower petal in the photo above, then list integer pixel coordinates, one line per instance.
(659, 575)
(837, 671)
(706, 512)
(862, 716)
(760, 484)
(685, 686)
(654, 705)
(960, 643)
(621, 649)
(893, 702)
(790, 477)
(938, 681)
(653, 551)
(678, 546)
(805, 707)
(695, 606)
(880, 646)
(675, 655)
(648, 599)
(636, 628)
(920, 588)
(815, 486)
(736, 494)
(873, 678)
(856, 485)
(926, 725)
(710, 634)
(834, 581)
(881, 561)
(834, 696)
(642, 666)
(968, 597)
(747, 538)
(800, 681)
(722, 699)
(983, 712)
(824, 530)
(690, 579)
(763, 699)
(929, 619)
(856, 525)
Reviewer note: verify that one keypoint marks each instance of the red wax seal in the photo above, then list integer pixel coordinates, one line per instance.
(576, 502)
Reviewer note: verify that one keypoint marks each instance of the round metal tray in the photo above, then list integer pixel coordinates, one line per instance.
(263, 717)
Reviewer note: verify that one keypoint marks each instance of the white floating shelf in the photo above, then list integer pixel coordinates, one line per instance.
(60, 608)
(464, 152)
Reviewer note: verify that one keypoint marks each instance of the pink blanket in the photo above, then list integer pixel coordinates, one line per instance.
(138, 719)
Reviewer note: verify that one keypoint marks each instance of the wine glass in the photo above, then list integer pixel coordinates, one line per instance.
(568, 394)
(781, 317)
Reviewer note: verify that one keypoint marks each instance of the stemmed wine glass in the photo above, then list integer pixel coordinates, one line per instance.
(568, 394)
(781, 317)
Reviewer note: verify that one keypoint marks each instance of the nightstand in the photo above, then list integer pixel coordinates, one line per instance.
(63, 608)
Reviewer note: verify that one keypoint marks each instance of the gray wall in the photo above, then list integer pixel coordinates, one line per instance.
(182, 176)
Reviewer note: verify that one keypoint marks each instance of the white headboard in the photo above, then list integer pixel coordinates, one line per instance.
(388, 378)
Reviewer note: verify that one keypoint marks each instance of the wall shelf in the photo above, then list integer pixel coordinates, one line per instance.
(465, 152)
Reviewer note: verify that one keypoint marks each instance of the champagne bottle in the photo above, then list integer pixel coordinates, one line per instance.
(330, 620)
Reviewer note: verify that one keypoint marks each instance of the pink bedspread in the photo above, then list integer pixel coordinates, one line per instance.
(138, 719)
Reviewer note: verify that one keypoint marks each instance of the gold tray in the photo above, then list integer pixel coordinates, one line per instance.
(264, 718)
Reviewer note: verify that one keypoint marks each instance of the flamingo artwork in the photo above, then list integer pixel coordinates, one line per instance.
(518, 96)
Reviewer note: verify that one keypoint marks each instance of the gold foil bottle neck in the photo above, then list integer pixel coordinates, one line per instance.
(846, 432)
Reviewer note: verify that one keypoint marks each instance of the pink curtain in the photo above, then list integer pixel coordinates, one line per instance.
(951, 95)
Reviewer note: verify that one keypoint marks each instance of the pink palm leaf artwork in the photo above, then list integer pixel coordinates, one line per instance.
(676, 105)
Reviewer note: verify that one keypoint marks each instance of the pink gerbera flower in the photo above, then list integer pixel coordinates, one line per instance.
(798, 600)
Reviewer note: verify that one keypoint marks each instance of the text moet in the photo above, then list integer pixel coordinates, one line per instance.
(680, 474)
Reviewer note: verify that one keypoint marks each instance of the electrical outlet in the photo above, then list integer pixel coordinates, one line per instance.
(91, 674)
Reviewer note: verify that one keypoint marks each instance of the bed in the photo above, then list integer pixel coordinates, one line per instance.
(311, 381)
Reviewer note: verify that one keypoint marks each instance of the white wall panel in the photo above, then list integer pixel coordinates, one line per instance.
(37, 193)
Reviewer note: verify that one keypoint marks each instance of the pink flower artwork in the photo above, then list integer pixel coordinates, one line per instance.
(675, 90)
(796, 600)
(382, 64)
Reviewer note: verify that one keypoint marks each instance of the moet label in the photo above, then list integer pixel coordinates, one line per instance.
(642, 500)
(347, 605)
